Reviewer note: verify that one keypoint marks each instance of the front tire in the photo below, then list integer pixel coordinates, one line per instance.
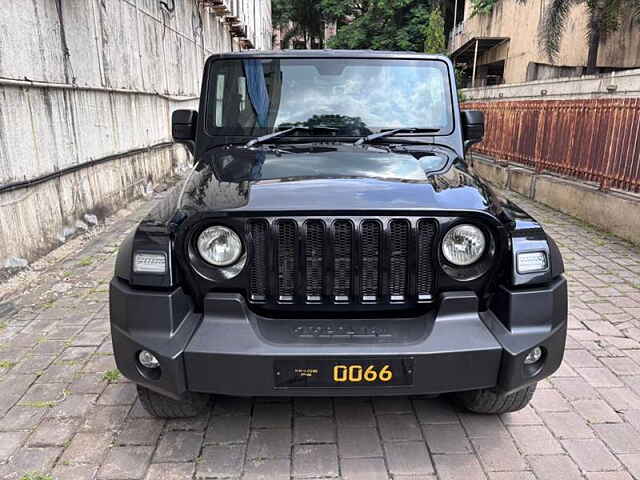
(164, 407)
(490, 401)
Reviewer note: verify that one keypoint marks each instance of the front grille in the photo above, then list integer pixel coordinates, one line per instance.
(344, 261)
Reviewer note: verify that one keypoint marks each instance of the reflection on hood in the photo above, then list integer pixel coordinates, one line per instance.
(325, 179)
(238, 164)
(331, 178)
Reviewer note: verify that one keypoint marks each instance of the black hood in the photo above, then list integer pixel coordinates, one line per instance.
(330, 178)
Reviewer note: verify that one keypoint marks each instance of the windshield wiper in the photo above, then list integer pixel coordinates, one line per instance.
(284, 133)
(388, 133)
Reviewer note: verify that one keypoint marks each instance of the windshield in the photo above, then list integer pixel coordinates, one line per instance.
(355, 96)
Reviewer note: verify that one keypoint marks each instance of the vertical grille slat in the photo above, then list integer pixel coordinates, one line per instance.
(287, 240)
(341, 261)
(424, 277)
(258, 270)
(342, 270)
(370, 260)
(314, 259)
(399, 231)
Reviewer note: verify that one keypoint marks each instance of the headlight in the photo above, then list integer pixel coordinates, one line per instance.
(219, 246)
(463, 245)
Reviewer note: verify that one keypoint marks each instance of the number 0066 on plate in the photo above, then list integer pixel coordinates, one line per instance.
(340, 372)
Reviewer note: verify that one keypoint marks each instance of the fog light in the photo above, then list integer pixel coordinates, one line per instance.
(531, 262)
(148, 359)
(150, 263)
(533, 356)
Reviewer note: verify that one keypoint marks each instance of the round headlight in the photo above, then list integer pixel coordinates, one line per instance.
(219, 246)
(463, 245)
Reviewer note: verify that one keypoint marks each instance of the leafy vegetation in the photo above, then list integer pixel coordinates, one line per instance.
(7, 364)
(302, 19)
(459, 73)
(383, 24)
(414, 25)
(85, 262)
(39, 404)
(482, 7)
(111, 376)
(434, 39)
(36, 476)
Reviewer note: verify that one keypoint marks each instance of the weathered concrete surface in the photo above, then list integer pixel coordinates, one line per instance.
(40, 215)
(115, 69)
(613, 211)
(518, 24)
(59, 413)
(615, 85)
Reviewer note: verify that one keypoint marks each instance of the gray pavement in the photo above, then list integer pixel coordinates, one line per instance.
(65, 413)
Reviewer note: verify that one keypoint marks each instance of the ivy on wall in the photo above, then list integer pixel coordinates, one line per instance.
(482, 7)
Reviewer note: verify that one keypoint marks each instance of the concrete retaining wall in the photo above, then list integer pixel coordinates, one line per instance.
(615, 212)
(82, 80)
(615, 85)
(44, 215)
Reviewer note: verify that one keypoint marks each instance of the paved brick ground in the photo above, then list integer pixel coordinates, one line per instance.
(61, 416)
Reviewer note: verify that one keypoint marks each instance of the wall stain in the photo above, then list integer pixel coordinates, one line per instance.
(73, 127)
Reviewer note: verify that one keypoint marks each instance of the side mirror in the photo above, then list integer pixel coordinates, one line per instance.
(472, 127)
(183, 125)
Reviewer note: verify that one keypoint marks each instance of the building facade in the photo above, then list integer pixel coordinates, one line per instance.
(86, 94)
(505, 48)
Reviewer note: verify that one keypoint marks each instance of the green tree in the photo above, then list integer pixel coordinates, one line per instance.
(434, 39)
(304, 19)
(381, 24)
(280, 12)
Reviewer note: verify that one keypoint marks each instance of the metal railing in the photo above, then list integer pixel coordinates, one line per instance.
(593, 140)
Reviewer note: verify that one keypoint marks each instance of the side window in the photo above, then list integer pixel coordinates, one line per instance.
(219, 99)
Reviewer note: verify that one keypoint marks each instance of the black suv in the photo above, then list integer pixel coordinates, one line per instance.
(332, 240)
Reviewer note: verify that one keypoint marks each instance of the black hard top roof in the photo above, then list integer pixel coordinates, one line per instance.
(328, 54)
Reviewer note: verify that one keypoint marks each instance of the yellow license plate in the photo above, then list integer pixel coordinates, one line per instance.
(340, 372)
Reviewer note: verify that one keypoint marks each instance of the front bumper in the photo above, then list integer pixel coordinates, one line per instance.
(230, 350)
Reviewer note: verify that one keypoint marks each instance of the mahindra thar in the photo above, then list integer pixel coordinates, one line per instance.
(332, 239)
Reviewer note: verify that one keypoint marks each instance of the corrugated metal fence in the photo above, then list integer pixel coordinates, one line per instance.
(594, 140)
